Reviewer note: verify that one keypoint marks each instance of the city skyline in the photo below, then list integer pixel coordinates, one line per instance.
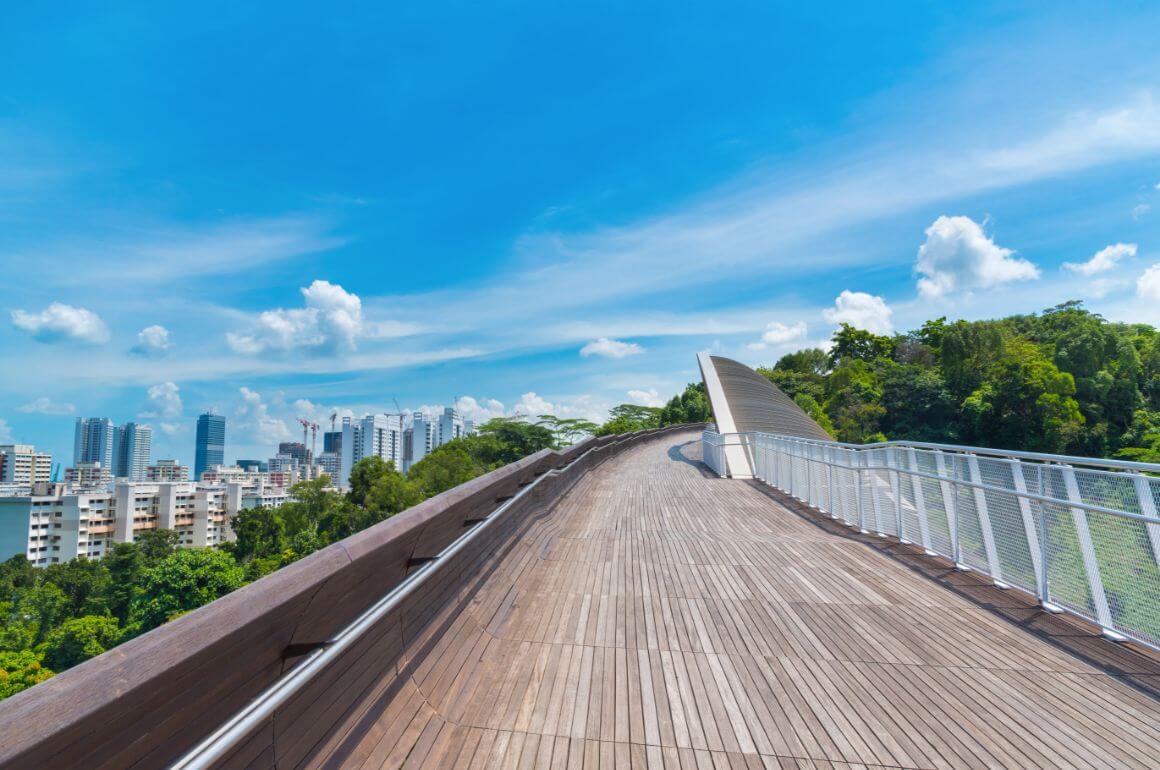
(506, 223)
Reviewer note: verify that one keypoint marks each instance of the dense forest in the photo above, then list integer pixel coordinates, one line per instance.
(54, 618)
(1062, 381)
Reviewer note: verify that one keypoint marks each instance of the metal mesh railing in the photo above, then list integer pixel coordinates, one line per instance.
(1081, 534)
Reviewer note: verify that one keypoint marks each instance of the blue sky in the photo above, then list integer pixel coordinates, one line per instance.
(277, 211)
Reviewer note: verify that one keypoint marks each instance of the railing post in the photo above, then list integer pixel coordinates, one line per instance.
(809, 474)
(859, 495)
(950, 492)
(874, 502)
(1148, 508)
(919, 501)
(994, 568)
(1088, 552)
(1029, 529)
(829, 455)
(896, 488)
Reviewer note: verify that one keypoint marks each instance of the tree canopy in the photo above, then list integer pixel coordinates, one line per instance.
(1065, 380)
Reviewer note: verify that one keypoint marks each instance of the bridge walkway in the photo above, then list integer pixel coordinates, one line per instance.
(659, 617)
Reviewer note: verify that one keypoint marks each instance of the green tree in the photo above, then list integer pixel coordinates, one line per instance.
(78, 639)
(83, 583)
(692, 405)
(363, 476)
(448, 466)
(918, 406)
(517, 437)
(811, 407)
(1026, 403)
(310, 500)
(184, 581)
(853, 402)
(258, 533)
(851, 344)
(124, 561)
(628, 418)
(156, 544)
(16, 573)
(42, 608)
(19, 671)
(392, 492)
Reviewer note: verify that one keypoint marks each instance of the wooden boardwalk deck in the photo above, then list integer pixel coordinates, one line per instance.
(661, 618)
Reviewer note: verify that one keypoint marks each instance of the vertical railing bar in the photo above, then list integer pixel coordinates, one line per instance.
(994, 568)
(1088, 553)
(1148, 508)
(919, 503)
(1029, 529)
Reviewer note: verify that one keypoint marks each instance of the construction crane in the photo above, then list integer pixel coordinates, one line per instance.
(307, 428)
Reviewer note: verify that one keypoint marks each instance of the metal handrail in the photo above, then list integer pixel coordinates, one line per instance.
(1034, 533)
(1098, 462)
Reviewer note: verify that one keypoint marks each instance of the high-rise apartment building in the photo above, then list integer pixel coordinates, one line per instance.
(21, 465)
(330, 463)
(210, 449)
(422, 437)
(332, 441)
(66, 522)
(167, 470)
(297, 450)
(132, 444)
(257, 466)
(378, 435)
(93, 441)
(451, 425)
(90, 476)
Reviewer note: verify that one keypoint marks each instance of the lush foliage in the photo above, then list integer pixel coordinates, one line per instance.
(692, 405)
(1064, 380)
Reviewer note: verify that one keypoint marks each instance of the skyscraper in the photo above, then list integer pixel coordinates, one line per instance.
(93, 441)
(210, 449)
(450, 425)
(297, 450)
(132, 444)
(378, 435)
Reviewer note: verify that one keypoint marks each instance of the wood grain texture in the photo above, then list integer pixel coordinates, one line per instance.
(658, 617)
(146, 702)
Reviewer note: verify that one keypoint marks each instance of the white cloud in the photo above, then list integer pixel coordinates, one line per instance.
(1084, 139)
(331, 322)
(1103, 260)
(255, 423)
(164, 402)
(1148, 284)
(533, 405)
(321, 413)
(5, 432)
(172, 428)
(160, 254)
(1140, 209)
(479, 410)
(152, 341)
(45, 405)
(62, 322)
(958, 256)
(609, 348)
(861, 310)
(648, 397)
(777, 333)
